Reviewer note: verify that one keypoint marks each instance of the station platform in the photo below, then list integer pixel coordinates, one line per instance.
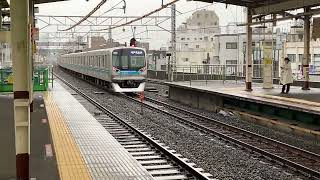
(81, 147)
(296, 108)
(42, 161)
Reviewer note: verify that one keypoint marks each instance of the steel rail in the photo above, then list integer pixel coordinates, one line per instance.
(193, 171)
(295, 165)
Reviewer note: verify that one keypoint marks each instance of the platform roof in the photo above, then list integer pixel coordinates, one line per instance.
(268, 6)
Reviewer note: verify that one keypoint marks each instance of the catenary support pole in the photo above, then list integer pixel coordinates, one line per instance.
(249, 52)
(306, 56)
(20, 30)
(173, 41)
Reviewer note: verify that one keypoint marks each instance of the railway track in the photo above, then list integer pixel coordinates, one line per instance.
(161, 162)
(298, 159)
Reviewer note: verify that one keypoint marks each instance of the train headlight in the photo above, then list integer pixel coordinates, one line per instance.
(115, 69)
(143, 69)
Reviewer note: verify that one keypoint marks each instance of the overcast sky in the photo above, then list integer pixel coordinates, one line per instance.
(137, 8)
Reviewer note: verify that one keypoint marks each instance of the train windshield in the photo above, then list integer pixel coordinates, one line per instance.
(128, 59)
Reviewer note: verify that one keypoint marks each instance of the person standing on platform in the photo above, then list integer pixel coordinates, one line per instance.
(286, 75)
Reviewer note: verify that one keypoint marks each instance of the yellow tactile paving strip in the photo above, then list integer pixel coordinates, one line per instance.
(70, 162)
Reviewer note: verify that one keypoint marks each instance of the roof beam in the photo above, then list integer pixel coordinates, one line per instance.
(284, 6)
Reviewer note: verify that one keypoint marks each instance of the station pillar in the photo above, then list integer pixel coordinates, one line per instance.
(20, 39)
(306, 56)
(249, 51)
(0, 17)
(31, 50)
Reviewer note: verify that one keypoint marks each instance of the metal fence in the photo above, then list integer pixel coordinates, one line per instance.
(219, 72)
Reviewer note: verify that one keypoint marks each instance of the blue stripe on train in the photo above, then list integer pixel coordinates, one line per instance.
(130, 73)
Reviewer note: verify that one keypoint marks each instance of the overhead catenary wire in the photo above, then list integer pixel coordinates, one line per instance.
(142, 17)
(182, 13)
(87, 16)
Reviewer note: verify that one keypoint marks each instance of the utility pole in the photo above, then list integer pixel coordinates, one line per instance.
(172, 63)
(110, 34)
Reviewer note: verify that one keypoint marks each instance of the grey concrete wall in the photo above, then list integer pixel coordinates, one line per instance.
(196, 99)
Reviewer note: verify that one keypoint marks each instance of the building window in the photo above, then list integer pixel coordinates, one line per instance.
(292, 57)
(195, 38)
(200, 39)
(182, 39)
(231, 45)
(186, 45)
(199, 24)
(188, 38)
(211, 39)
(316, 60)
(300, 58)
(163, 67)
(185, 59)
(231, 62)
(206, 38)
(198, 46)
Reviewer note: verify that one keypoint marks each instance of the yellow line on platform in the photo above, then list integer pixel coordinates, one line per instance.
(70, 162)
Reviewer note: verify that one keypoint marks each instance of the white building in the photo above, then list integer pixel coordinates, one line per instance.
(157, 60)
(195, 39)
(294, 50)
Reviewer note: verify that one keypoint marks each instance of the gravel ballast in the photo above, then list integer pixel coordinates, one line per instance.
(210, 153)
(304, 142)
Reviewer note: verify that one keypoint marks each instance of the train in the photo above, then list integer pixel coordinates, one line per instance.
(121, 69)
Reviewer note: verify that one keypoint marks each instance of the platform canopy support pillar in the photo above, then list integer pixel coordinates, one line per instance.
(0, 17)
(249, 51)
(21, 60)
(306, 56)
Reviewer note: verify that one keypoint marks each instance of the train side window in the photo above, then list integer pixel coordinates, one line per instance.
(108, 60)
(102, 61)
(105, 60)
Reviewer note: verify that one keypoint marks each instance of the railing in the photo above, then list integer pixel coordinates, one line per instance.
(219, 72)
(229, 72)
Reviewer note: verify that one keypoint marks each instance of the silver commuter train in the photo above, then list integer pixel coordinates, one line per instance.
(122, 68)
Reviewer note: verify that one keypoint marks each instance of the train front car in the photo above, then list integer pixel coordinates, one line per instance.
(128, 70)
